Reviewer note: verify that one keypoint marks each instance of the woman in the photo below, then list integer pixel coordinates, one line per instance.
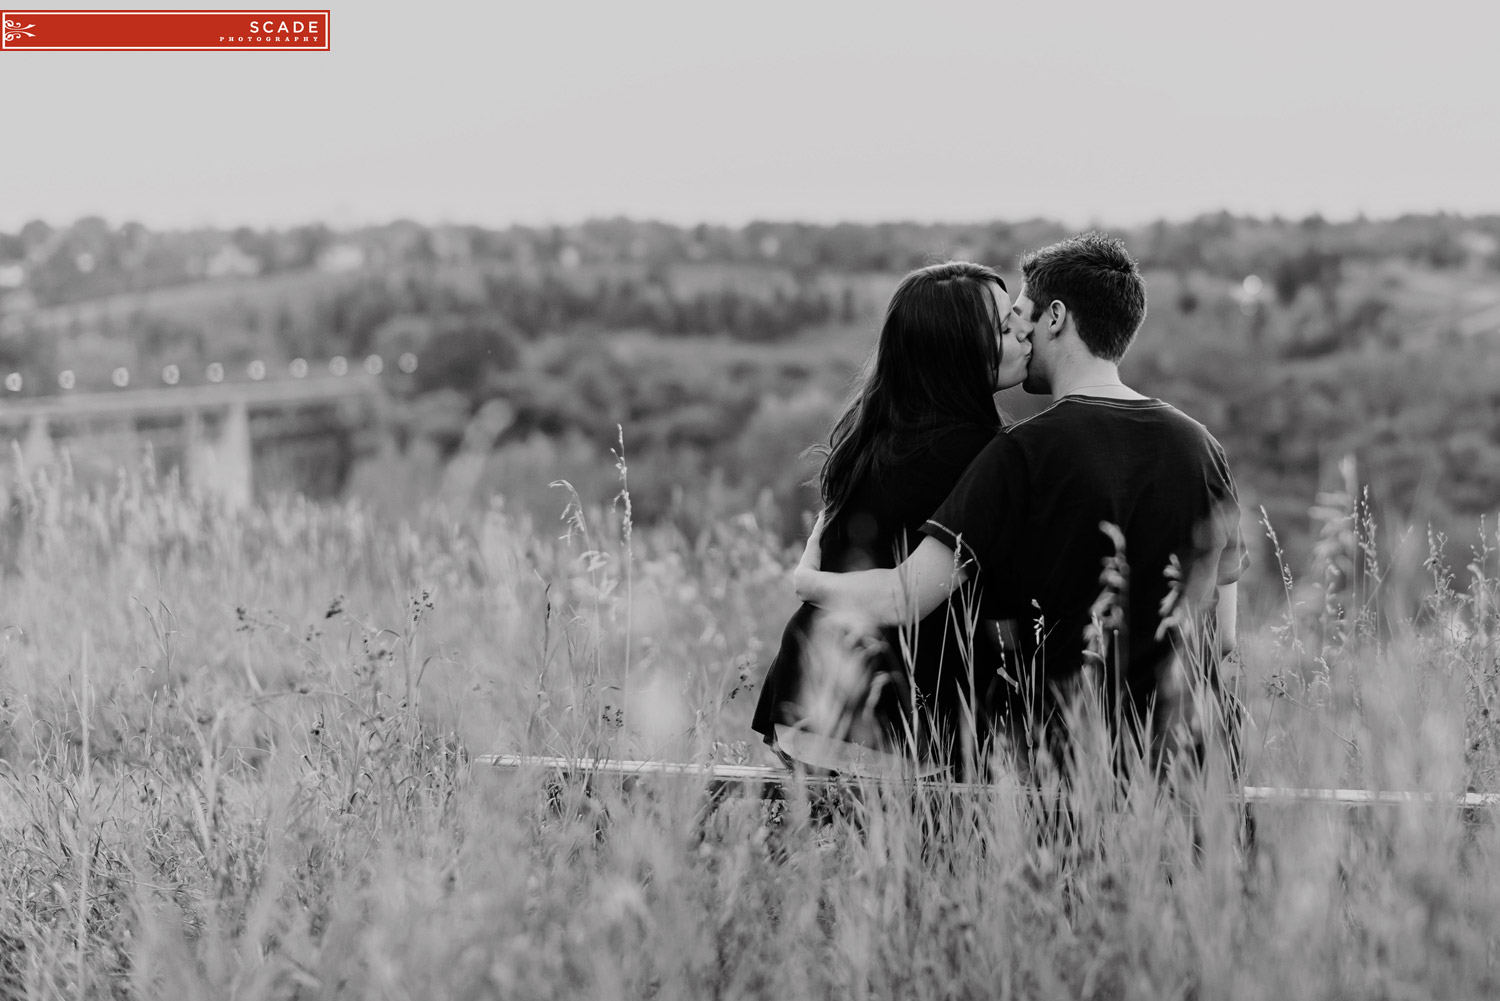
(841, 695)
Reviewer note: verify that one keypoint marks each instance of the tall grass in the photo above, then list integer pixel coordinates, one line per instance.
(238, 762)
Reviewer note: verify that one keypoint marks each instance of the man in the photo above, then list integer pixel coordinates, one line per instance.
(1038, 515)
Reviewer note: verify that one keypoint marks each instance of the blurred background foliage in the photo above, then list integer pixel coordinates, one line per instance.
(723, 352)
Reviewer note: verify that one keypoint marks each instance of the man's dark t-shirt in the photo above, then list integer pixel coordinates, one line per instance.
(1028, 514)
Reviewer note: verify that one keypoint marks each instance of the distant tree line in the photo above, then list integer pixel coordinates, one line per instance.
(365, 316)
(550, 304)
(91, 258)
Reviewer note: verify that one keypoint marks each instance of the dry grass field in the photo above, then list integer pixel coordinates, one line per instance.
(237, 761)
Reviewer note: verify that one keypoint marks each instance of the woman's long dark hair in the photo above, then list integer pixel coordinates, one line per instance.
(933, 369)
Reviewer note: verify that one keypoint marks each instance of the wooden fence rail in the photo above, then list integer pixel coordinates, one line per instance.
(765, 777)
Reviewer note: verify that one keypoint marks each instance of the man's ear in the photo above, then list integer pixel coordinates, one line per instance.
(1056, 318)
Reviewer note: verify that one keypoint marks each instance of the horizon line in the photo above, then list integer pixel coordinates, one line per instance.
(430, 222)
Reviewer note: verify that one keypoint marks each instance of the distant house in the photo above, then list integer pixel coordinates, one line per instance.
(13, 304)
(229, 261)
(1484, 322)
(1480, 247)
(341, 257)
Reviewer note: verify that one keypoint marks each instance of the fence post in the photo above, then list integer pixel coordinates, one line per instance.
(219, 465)
(37, 448)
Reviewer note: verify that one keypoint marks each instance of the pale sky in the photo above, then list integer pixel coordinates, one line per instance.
(543, 112)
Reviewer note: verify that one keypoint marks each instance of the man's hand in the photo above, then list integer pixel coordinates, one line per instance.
(812, 553)
(812, 558)
(1227, 613)
(905, 594)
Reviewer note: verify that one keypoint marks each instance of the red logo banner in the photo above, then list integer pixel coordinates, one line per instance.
(162, 30)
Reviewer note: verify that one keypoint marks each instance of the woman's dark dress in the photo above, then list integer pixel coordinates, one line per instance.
(878, 528)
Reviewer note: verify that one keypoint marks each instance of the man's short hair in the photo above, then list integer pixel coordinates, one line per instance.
(1100, 283)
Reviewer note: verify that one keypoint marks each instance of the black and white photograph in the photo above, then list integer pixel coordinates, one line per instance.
(816, 500)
